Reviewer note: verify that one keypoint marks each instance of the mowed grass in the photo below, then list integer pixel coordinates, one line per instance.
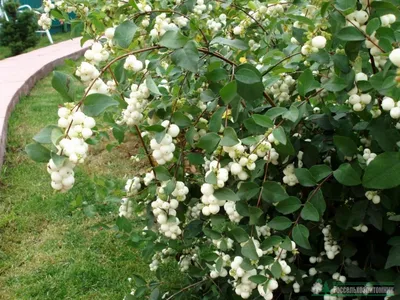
(43, 42)
(48, 250)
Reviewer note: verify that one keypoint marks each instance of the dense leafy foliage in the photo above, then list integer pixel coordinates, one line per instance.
(19, 33)
(271, 131)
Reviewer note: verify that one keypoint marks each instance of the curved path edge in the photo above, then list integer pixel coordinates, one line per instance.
(19, 74)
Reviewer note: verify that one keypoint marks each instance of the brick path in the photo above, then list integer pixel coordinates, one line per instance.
(19, 74)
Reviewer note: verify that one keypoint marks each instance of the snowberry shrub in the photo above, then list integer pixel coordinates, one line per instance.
(271, 132)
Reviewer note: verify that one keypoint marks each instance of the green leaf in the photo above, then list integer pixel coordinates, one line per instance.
(350, 33)
(306, 83)
(162, 173)
(230, 138)
(226, 194)
(187, 58)
(44, 136)
(318, 201)
(56, 135)
(280, 223)
(173, 39)
(280, 135)
(239, 235)
(181, 119)
(211, 178)
(95, 104)
(193, 229)
(37, 152)
(57, 159)
(254, 213)
(373, 25)
(305, 177)
(344, 5)
(248, 190)
(273, 192)
(216, 120)
(289, 205)
(124, 224)
(259, 279)
(152, 86)
(292, 114)
(65, 85)
(247, 76)
(275, 112)
(345, 145)
(276, 270)
(335, 84)
(383, 172)
(229, 92)
(270, 242)
(209, 142)
(320, 172)
(309, 212)
(124, 34)
(300, 236)
(195, 158)
(346, 175)
(262, 120)
(249, 82)
(217, 75)
(393, 259)
(236, 44)
(249, 250)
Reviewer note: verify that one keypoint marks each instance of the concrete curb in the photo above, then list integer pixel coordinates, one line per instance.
(44, 61)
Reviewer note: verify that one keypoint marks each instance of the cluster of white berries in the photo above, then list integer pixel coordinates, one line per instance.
(338, 277)
(221, 174)
(331, 247)
(45, 20)
(163, 151)
(372, 43)
(162, 24)
(290, 178)
(133, 64)
(80, 125)
(137, 101)
(368, 156)
(148, 178)
(215, 25)
(265, 150)
(195, 210)
(388, 104)
(274, 10)
(313, 46)
(180, 191)
(165, 214)
(62, 177)
(99, 87)
(243, 286)
(358, 19)
(87, 72)
(211, 204)
(200, 7)
(373, 196)
(215, 273)
(96, 54)
(230, 209)
(363, 228)
(296, 287)
(223, 243)
(359, 102)
(263, 230)
(266, 291)
(316, 287)
(281, 89)
(132, 186)
(125, 209)
(314, 259)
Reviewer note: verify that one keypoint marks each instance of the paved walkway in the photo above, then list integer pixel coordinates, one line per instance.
(19, 74)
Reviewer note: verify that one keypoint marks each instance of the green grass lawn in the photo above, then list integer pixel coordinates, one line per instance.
(48, 250)
(43, 42)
